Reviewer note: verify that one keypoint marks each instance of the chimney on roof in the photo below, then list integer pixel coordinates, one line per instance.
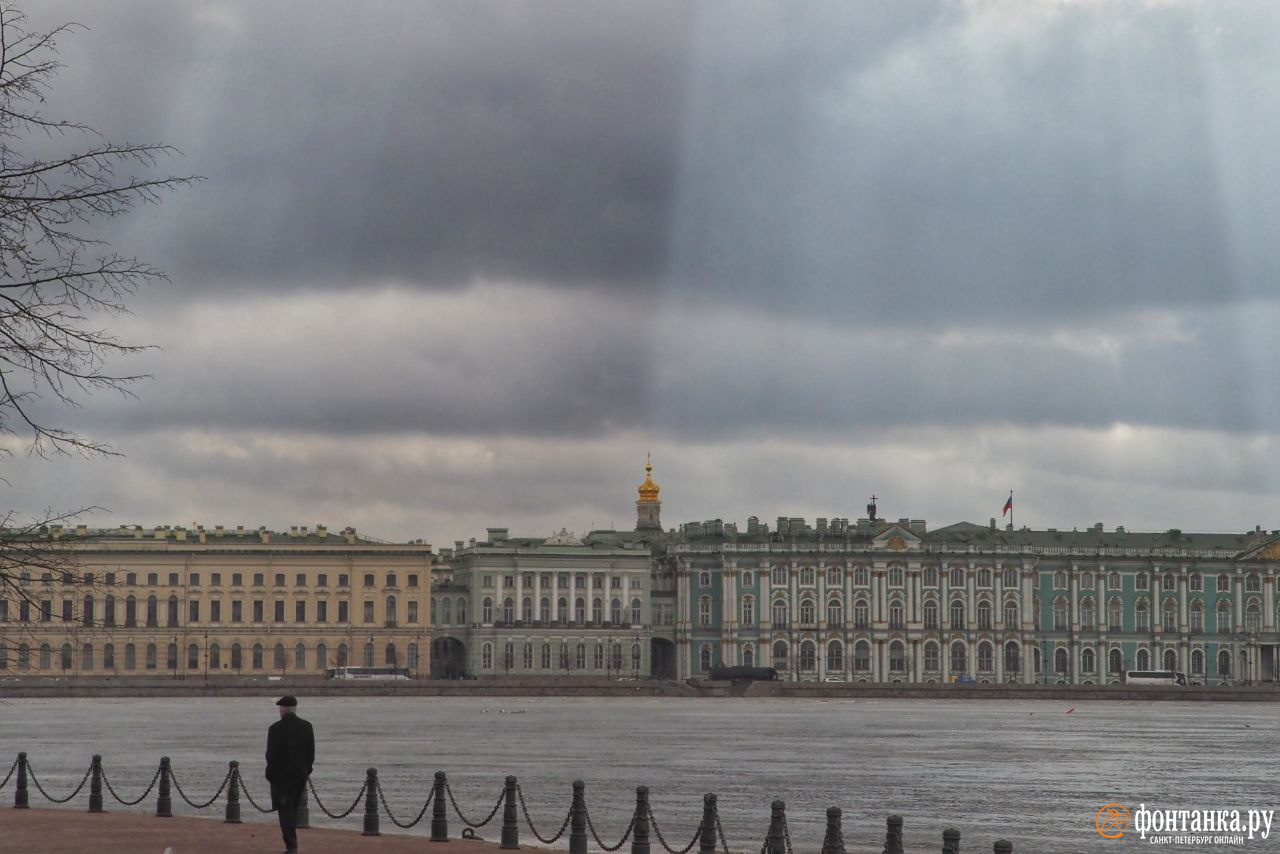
(81, 530)
(264, 534)
(322, 532)
(181, 534)
(293, 531)
(137, 532)
(239, 530)
(56, 531)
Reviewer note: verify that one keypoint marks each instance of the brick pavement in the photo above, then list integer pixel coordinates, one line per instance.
(56, 831)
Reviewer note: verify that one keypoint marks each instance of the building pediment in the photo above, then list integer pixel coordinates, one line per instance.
(1269, 550)
(896, 538)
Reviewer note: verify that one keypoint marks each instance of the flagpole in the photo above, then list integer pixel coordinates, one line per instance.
(1011, 524)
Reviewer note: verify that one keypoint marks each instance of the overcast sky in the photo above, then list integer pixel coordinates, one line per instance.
(462, 264)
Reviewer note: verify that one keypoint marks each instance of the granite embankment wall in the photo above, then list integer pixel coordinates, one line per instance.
(157, 686)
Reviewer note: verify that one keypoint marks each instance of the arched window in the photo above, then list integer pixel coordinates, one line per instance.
(215, 656)
(1011, 614)
(24, 652)
(1224, 663)
(1224, 583)
(984, 615)
(580, 657)
(835, 656)
(1115, 615)
(1143, 660)
(897, 614)
(526, 610)
(748, 654)
(237, 657)
(704, 611)
(1115, 663)
(390, 656)
(1060, 661)
(1086, 581)
(862, 656)
(806, 612)
(748, 610)
(704, 579)
(1037, 659)
(986, 657)
(957, 614)
(704, 658)
(779, 613)
(65, 658)
(131, 611)
(546, 656)
(87, 611)
(1224, 617)
(462, 611)
(257, 656)
(1088, 663)
(959, 658)
(322, 654)
(486, 611)
(193, 657)
(86, 657)
(1169, 616)
(1012, 661)
(1086, 615)
(173, 612)
(1253, 617)
(615, 657)
(1142, 616)
(1195, 582)
(46, 656)
(1195, 612)
(1059, 614)
(897, 657)
(344, 656)
(527, 658)
(544, 610)
(861, 614)
(615, 611)
(152, 657)
(780, 655)
(932, 660)
(153, 607)
(300, 656)
(835, 613)
(412, 661)
(109, 611)
(1170, 659)
(930, 614)
(278, 660)
(368, 654)
(808, 656)
(486, 656)
(597, 660)
(435, 620)
(580, 610)
(637, 612)
(597, 610)
(508, 611)
(1197, 662)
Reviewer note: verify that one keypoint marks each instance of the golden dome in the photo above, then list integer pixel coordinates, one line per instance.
(648, 489)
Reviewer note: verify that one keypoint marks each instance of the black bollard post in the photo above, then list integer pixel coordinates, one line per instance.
(20, 794)
(510, 829)
(893, 835)
(95, 785)
(439, 816)
(640, 833)
(233, 795)
(578, 819)
(371, 803)
(776, 843)
(707, 830)
(164, 802)
(950, 841)
(1003, 846)
(303, 821)
(833, 842)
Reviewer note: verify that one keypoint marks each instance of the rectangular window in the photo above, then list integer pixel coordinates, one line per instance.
(173, 579)
(153, 579)
(131, 578)
(322, 580)
(278, 611)
(368, 612)
(237, 611)
(46, 611)
(193, 611)
(237, 580)
(413, 611)
(193, 579)
(391, 579)
(322, 611)
(299, 612)
(343, 580)
(259, 579)
(66, 611)
(301, 580)
(257, 610)
(343, 612)
(215, 611)
(111, 579)
(486, 581)
(215, 579)
(368, 579)
(413, 579)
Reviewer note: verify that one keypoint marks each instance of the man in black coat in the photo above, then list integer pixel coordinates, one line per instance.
(291, 751)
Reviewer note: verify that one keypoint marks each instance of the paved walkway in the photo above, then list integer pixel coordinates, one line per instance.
(48, 831)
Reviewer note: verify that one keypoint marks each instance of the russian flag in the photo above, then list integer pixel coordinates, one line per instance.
(1008, 505)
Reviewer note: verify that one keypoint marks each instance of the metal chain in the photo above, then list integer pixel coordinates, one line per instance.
(786, 834)
(83, 780)
(658, 832)
(140, 798)
(12, 768)
(248, 797)
(349, 809)
(534, 830)
(391, 815)
(191, 803)
(449, 791)
(622, 842)
(720, 832)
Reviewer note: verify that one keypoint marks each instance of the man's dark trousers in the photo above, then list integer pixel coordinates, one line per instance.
(287, 811)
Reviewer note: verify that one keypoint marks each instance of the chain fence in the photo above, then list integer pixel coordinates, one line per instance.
(545, 841)
(382, 798)
(336, 815)
(32, 775)
(12, 768)
(471, 824)
(203, 804)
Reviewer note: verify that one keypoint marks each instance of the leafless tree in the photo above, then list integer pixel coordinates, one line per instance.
(58, 282)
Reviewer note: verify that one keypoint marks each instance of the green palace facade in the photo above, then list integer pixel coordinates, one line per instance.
(880, 601)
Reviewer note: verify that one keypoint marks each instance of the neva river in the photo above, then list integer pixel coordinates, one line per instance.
(1022, 770)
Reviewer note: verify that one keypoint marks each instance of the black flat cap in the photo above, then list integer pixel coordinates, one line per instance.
(288, 700)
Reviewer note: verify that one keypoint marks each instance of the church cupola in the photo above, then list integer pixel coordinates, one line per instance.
(648, 508)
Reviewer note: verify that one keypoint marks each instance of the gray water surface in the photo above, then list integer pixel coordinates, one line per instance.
(1026, 771)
